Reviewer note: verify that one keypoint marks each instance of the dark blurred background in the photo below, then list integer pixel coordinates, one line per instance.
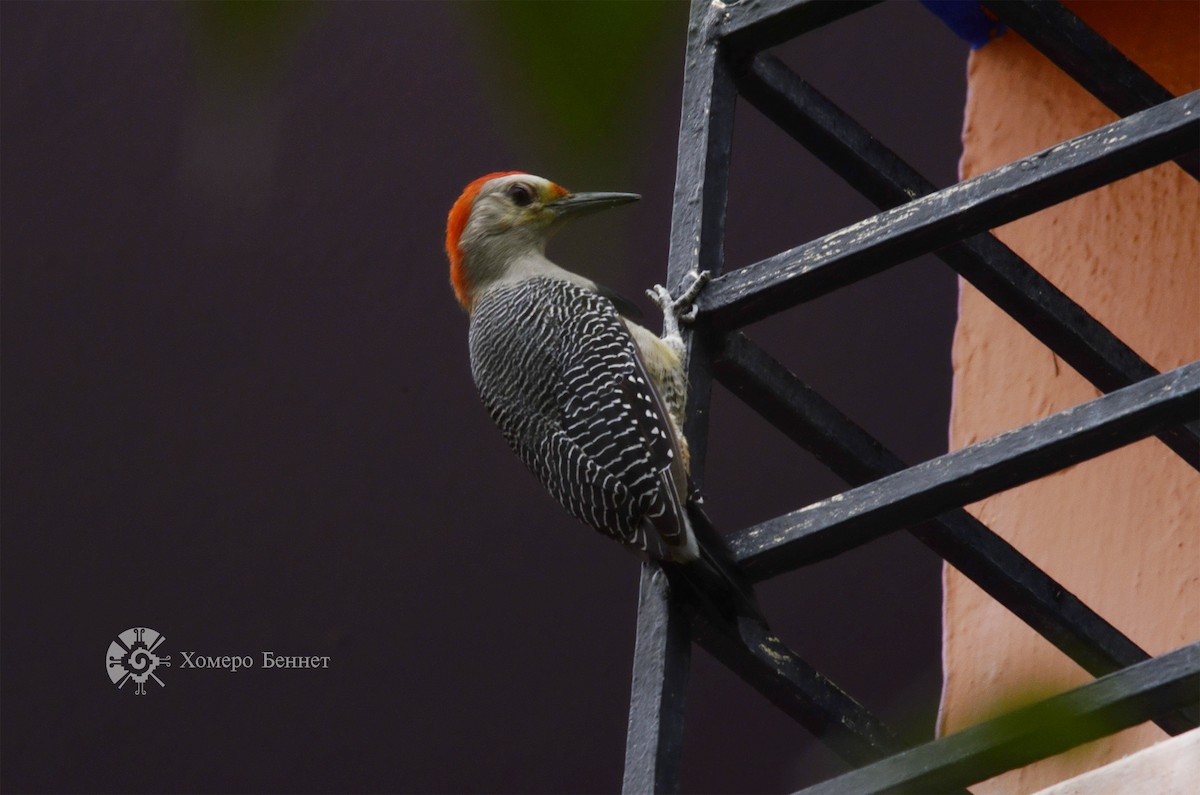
(237, 406)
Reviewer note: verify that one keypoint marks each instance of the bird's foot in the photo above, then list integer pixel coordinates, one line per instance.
(681, 309)
(685, 305)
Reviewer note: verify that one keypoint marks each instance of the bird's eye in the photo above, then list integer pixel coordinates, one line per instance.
(520, 195)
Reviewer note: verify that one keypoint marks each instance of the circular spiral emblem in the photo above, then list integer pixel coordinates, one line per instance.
(132, 657)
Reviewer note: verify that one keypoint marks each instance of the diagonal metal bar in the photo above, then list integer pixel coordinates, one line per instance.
(661, 657)
(1010, 282)
(1089, 58)
(973, 473)
(956, 536)
(749, 649)
(1097, 709)
(754, 25)
(1011, 191)
(828, 132)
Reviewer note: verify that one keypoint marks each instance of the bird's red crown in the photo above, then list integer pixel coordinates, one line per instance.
(456, 222)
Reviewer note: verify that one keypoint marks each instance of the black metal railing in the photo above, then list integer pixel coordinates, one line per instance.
(725, 60)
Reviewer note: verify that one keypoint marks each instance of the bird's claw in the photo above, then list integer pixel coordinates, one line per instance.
(681, 309)
(685, 306)
(661, 298)
(699, 279)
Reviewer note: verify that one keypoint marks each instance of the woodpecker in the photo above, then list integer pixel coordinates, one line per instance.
(590, 401)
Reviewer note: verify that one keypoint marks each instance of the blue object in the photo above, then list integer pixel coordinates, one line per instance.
(967, 19)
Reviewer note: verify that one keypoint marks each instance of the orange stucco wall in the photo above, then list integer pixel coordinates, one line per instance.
(1123, 531)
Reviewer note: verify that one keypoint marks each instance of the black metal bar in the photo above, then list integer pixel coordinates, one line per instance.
(754, 25)
(661, 656)
(1097, 709)
(1065, 327)
(746, 646)
(701, 195)
(957, 536)
(749, 649)
(653, 746)
(1089, 58)
(1011, 191)
(800, 413)
(828, 132)
(1010, 282)
(1010, 459)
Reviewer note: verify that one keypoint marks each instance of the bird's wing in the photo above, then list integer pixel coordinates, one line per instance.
(625, 307)
(582, 412)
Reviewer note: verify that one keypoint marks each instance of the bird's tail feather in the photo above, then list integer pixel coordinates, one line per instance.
(714, 580)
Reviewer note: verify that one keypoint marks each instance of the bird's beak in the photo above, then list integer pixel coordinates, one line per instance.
(583, 203)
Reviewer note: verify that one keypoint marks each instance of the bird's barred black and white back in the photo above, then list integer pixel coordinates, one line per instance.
(560, 375)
